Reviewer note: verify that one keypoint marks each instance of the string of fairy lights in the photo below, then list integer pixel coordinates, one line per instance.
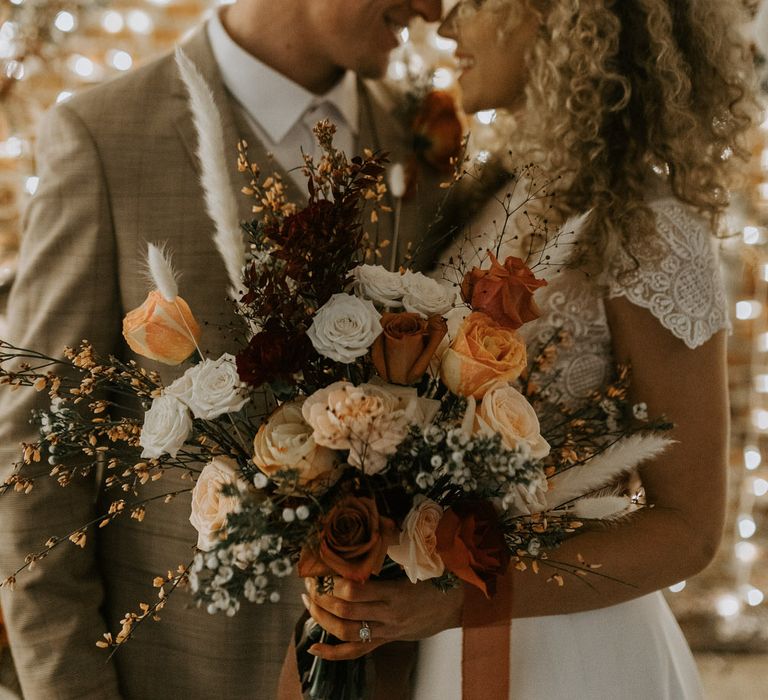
(50, 49)
(750, 426)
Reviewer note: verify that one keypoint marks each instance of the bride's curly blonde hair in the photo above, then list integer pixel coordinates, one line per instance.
(619, 89)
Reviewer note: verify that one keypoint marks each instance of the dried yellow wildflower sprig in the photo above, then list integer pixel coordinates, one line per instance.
(131, 620)
(269, 196)
(332, 174)
(79, 536)
(78, 431)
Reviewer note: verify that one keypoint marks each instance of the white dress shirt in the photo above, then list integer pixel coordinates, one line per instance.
(281, 112)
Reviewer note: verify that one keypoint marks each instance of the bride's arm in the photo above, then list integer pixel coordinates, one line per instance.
(656, 547)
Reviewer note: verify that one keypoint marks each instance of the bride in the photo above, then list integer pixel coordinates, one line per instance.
(636, 106)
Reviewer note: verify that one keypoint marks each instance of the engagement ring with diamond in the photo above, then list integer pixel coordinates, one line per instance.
(365, 632)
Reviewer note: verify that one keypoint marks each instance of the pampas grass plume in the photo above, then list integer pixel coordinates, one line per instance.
(161, 272)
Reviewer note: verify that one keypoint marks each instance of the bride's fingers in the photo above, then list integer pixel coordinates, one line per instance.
(347, 610)
(347, 630)
(344, 588)
(344, 652)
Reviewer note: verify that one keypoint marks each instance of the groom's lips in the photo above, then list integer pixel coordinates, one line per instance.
(395, 27)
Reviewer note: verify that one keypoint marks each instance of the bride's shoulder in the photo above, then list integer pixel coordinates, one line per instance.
(674, 272)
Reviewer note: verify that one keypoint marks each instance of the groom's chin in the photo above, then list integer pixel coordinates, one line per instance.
(372, 66)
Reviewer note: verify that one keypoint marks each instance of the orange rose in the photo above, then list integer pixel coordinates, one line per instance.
(504, 292)
(482, 353)
(438, 130)
(401, 354)
(353, 541)
(471, 544)
(160, 329)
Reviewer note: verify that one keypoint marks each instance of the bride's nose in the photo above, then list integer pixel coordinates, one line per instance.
(447, 27)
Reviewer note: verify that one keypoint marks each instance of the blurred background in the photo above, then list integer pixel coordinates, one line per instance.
(50, 49)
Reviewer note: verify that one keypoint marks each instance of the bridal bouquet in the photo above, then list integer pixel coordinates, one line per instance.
(409, 430)
(411, 433)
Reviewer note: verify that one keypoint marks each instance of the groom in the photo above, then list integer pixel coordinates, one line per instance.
(117, 169)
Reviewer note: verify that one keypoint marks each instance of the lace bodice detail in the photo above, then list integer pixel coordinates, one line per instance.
(677, 279)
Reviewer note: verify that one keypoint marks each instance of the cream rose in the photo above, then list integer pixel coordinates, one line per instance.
(506, 412)
(167, 425)
(285, 442)
(417, 551)
(378, 284)
(209, 505)
(211, 388)
(419, 411)
(427, 297)
(344, 328)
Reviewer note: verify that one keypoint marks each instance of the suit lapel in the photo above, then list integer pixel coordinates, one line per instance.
(378, 132)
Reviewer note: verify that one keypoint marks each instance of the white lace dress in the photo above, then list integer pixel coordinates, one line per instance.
(634, 650)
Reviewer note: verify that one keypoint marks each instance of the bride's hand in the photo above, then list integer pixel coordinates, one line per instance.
(394, 610)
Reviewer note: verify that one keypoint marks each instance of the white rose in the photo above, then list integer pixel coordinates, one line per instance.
(209, 505)
(344, 328)
(378, 284)
(167, 425)
(425, 296)
(527, 500)
(285, 441)
(417, 551)
(504, 410)
(211, 388)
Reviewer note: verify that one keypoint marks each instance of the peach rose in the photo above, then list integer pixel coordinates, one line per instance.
(504, 292)
(505, 411)
(285, 441)
(482, 353)
(210, 506)
(353, 541)
(162, 330)
(369, 420)
(417, 550)
(401, 354)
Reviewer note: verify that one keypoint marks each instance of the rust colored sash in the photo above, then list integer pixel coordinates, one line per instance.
(486, 642)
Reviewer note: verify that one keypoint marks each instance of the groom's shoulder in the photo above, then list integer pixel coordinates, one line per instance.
(133, 103)
(139, 91)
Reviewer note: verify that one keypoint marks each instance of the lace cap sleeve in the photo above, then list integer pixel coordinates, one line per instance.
(678, 277)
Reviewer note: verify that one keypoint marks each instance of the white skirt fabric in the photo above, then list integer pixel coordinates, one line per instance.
(631, 651)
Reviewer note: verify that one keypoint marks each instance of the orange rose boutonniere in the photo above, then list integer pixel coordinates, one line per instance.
(438, 131)
(504, 292)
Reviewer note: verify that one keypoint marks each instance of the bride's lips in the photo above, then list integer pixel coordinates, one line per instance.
(464, 62)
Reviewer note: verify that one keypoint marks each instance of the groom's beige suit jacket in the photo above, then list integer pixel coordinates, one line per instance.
(118, 168)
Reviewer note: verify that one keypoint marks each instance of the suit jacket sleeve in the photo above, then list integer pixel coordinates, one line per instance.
(66, 290)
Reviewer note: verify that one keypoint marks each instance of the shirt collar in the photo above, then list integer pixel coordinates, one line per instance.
(274, 101)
